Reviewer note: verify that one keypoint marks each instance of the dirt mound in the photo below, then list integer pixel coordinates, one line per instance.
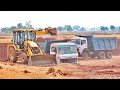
(57, 72)
(39, 39)
(50, 70)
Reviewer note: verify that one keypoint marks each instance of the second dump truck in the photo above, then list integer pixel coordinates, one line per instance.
(89, 46)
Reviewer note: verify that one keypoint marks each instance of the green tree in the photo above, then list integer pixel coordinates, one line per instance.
(76, 27)
(60, 28)
(82, 29)
(112, 27)
(68, 28)
(106, 28)
(12, 28)
(19, 25)
(5, 30)
(119, 28)
(102, 28)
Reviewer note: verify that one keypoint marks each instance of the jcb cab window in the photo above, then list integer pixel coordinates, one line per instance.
(83, 42)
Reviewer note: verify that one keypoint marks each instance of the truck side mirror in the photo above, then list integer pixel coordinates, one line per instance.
(53, 49)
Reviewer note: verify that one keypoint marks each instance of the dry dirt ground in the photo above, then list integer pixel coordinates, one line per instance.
(85, 69)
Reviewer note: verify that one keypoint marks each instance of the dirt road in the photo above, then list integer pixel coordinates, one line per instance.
(85, 69)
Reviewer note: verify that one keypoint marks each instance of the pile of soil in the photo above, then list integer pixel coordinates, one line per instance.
(39, 39)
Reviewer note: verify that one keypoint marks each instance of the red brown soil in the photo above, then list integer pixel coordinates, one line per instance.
(85, 69)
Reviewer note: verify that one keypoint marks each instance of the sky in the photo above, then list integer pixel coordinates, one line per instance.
(43, 19)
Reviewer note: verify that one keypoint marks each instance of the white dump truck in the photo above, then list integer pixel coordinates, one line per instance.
(89, 46)
(66, 52)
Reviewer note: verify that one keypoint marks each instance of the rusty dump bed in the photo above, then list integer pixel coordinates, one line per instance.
(3, 51)
(5, 41)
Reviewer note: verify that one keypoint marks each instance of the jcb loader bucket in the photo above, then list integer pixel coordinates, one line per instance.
(42, 60)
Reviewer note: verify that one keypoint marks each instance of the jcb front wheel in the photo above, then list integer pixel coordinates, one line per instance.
(23, 58)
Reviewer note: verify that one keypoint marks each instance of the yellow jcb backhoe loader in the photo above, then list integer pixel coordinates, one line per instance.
(25, 48)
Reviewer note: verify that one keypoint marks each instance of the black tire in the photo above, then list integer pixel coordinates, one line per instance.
(85, 55)
(101, 55)
(23, 58)
(108, 54)
(12, 54)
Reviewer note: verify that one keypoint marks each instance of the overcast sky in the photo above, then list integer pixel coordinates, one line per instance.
(60, 18)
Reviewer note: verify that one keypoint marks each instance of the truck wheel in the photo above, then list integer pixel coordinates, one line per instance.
(101, 55)
(23, 58)
(108, 54)
(12, 54)
(85, 55)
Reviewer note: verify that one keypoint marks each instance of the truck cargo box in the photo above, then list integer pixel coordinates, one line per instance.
(45, 45)
(104, 43)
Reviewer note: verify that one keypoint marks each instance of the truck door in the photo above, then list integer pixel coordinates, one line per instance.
(83, 45)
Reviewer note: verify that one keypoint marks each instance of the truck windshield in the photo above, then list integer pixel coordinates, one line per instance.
(67, 49)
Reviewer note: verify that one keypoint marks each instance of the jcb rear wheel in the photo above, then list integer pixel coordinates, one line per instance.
(12, 54)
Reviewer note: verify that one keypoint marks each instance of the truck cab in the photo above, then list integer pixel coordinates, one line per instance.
(65, 52)
(82, 46)
(80, 42)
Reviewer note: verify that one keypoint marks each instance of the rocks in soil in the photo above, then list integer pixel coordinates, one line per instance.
(4, 60)
(5, 63)
(50, 70)
(59, 72)
(26, 71)
(56, 72)
(113, 66)
(12, 64)
(62, 73)
(1, 67)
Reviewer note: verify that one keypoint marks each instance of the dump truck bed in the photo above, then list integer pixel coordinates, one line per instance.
(45, 45)
(104, 43)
